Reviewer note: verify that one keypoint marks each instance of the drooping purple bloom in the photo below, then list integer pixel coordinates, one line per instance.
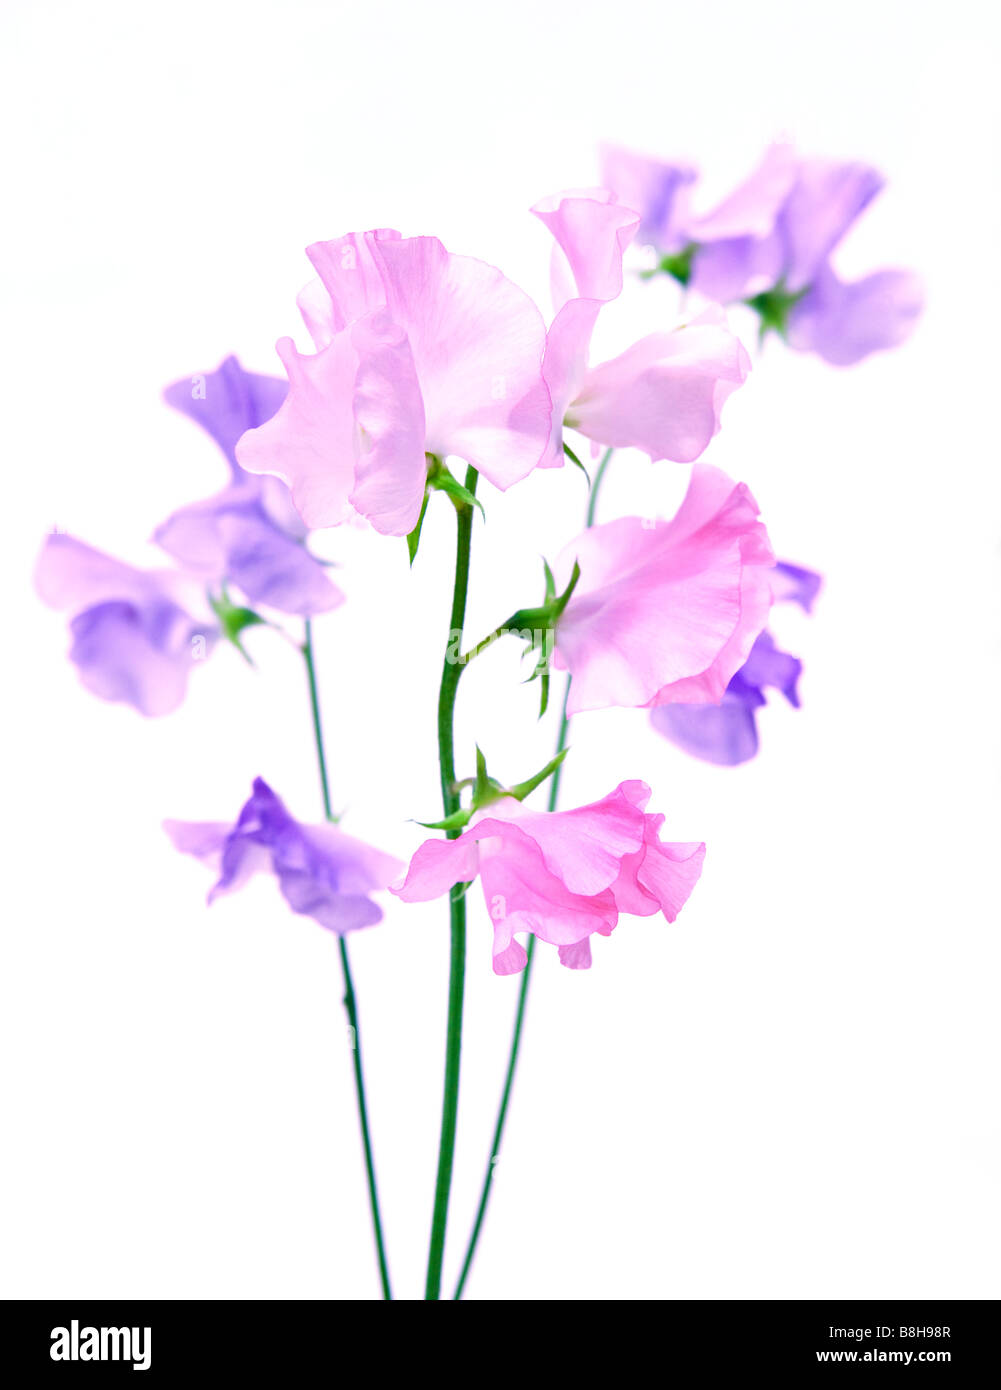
(845, 321)
(770, 242)
(727, 733)
(133, 638)
(322, 873)
(658, 190)
(249, 534)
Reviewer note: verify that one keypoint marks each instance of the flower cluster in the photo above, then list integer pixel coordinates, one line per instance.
(770, 245)
(422, 357)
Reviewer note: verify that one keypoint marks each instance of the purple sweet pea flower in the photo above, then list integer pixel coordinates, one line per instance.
(770, 242)
(133, 639)
(773, 239)
(727, 733)
(322, 873)
(659, 191)
(249, 534)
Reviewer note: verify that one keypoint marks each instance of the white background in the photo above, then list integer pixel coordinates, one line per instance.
(792, 1092)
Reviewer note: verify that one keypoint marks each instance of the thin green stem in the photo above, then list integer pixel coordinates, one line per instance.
(314, 705)
(526, 974)
(451, 673)
(592, 500)
(350, 1002)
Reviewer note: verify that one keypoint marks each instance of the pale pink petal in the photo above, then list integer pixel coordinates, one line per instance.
(581, 847)
(664, 395)
(523, 895)
(665, 603)
(577, 956)
(592, 231)
(509, 955)
(391, 469)
(478, 344)
(435, 867)
(311, 441)
(350, 284)
(670, 872)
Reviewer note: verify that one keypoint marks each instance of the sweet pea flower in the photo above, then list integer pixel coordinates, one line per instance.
(322, 873)
(770, 244)
(418, 352)
(560, 875)
(661, 193)
(133, 638)
(249, 534)
(665, 611)
(727, 733)
(664, 394)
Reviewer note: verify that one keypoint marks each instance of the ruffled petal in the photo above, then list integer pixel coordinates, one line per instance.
(311, 442)
(664, 395)
(592, 231)
(659, 191)
(350, 284)
(670, 610)
(478, 343)
(391, 470)
(435, 867)
(843, 321)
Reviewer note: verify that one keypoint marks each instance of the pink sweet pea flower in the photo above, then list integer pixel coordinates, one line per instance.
(664, 394)
(561, 875)
(666, 611)
(418, 352)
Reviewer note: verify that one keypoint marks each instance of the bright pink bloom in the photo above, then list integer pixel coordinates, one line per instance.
(418, 352)
(561, 875)
(663, 395)
(666, 611)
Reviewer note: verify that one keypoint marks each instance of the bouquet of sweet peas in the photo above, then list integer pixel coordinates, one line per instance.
(432, 374)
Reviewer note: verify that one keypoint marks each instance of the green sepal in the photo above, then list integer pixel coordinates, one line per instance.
(574, 459)
(458, 820)
(486, 789)
(522, 789)
(441, 480)
(414, 536)
(773, 308)
(678, 266)
(233, 619)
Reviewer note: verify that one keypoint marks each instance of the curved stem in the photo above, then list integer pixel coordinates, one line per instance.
(451, 673)
(526, 976)
(350, 1003)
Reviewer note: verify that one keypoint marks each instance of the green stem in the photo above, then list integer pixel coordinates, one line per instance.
(526, 975)
(592, 500)
(451, 673)
(350, 1002)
